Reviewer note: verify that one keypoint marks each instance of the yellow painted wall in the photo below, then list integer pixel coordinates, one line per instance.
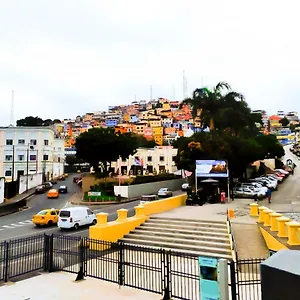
(155, 207)
(272, 243)
(113, 231)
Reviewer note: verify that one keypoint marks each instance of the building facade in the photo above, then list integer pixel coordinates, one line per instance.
(159, 159)
(30, 150)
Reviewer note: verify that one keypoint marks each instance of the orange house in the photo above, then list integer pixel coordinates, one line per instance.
(169, 130)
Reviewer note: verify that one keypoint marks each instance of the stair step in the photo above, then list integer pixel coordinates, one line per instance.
(185, 226)
(175, 240)
(199, 232)
(162, 233)
(188, 220)
(207, 251)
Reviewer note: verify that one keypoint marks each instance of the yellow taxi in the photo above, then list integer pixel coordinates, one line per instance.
(66, 175)
(46, 217)
(53, 194)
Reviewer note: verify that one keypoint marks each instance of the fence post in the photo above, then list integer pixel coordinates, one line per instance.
(46, 252)
(50, 257)
(166, 274)
(6, 261)
(121, 272)
(80, 274)
(233, 281)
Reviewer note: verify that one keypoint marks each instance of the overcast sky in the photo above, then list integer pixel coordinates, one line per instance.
(65, 58)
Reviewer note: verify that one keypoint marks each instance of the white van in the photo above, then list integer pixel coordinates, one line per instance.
(76, 216)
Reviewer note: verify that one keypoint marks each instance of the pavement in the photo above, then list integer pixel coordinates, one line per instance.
(61, 285)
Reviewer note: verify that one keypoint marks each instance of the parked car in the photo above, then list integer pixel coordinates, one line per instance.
(53, 194)
(247, 192)
(272, 185)
(164, 192)
(147, 198)
(53, 181)
(76, 216)
(185, 187)
(284, 172)
(61, 177)
(256, 185)
(48, 185)
(40, 189)
(46, 217)
(63, 189)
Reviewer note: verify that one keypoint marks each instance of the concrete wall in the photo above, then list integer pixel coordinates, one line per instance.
(33, 181)
(2, 184)
(133, 191)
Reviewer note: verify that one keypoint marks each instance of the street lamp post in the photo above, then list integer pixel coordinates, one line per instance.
(13, 165)
(27, 167)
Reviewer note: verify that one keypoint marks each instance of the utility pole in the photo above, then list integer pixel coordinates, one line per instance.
(13, 165)
(151, 93)
(27, 167)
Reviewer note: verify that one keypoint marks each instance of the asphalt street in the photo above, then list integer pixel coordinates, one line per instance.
(19, 224)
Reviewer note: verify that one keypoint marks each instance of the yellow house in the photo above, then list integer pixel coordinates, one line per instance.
(166, 106)
(158, 138)
(155, 122)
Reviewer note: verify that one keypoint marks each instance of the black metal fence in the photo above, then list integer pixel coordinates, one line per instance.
(173, 274)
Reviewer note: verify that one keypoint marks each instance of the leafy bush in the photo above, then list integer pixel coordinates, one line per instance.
(154, 178)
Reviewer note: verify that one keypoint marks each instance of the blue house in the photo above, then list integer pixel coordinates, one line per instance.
(111, 123)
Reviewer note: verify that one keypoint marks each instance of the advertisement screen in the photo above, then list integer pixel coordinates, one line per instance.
(211, 168)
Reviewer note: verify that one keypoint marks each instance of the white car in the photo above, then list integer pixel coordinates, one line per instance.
(164, 192)
(185, 187)
(76, 216)
(284, 172)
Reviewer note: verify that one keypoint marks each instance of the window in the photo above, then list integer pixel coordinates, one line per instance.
(21, 142)
(32, 157)
(53, 213)
(8, 157)
(89, 212)
(161, 158)
(9, 142)
(32, 171)
(64, 214)
(45, 157)
(173, 158)
(46, 142)
(58, 159)
(8, 173)
(33, 142)
(21, 157)
(149, 158)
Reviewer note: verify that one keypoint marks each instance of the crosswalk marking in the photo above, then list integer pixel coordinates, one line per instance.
(16, 225)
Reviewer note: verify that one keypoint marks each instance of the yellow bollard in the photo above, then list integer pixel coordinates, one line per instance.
(122, 214)
(267, 213)
(230, 213)
(102, 218)
(293, 227)
(261, 218)
(254, 210)
(282, 231)
(139, 210)
(274, 222)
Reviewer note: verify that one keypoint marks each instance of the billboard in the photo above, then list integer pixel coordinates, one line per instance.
(211, 168)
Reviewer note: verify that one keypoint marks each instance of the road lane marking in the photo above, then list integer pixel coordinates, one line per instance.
(7, 226)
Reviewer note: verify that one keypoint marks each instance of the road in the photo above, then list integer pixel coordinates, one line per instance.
(19, 224)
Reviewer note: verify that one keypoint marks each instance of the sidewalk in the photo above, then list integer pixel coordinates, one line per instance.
(19, 197)
(61, 285)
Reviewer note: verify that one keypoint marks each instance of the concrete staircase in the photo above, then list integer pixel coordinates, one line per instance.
(209, 238)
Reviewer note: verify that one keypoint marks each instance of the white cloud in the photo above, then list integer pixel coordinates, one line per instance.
(64, 58)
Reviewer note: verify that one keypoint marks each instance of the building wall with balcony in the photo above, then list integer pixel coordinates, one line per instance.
(28, 150)
(111, 122)
(160, 158)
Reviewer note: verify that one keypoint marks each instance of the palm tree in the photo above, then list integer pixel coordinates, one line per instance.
(208, 105)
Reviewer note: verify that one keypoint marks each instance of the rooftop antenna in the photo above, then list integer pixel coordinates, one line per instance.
(12, 110)
(184, 86)
(151, 93)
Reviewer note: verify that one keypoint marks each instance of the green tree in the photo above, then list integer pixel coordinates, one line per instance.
(101, 146)
(73, 160)
(284, 122)
(30, 121)
(271, 147)
(207, 105)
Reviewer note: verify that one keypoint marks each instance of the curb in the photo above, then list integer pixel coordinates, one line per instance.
(10, 208)
(103, 203)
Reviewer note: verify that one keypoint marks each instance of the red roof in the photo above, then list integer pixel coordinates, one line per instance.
(275, 118)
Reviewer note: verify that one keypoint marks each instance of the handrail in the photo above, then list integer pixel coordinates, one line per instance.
(233, 241)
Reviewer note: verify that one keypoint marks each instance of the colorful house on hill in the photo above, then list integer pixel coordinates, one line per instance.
(274, 121)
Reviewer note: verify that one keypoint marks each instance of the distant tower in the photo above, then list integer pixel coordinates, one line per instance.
(12, 121)
(184, 86)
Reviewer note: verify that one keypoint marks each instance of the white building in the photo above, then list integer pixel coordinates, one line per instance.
(159, 159)
(29, 150)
